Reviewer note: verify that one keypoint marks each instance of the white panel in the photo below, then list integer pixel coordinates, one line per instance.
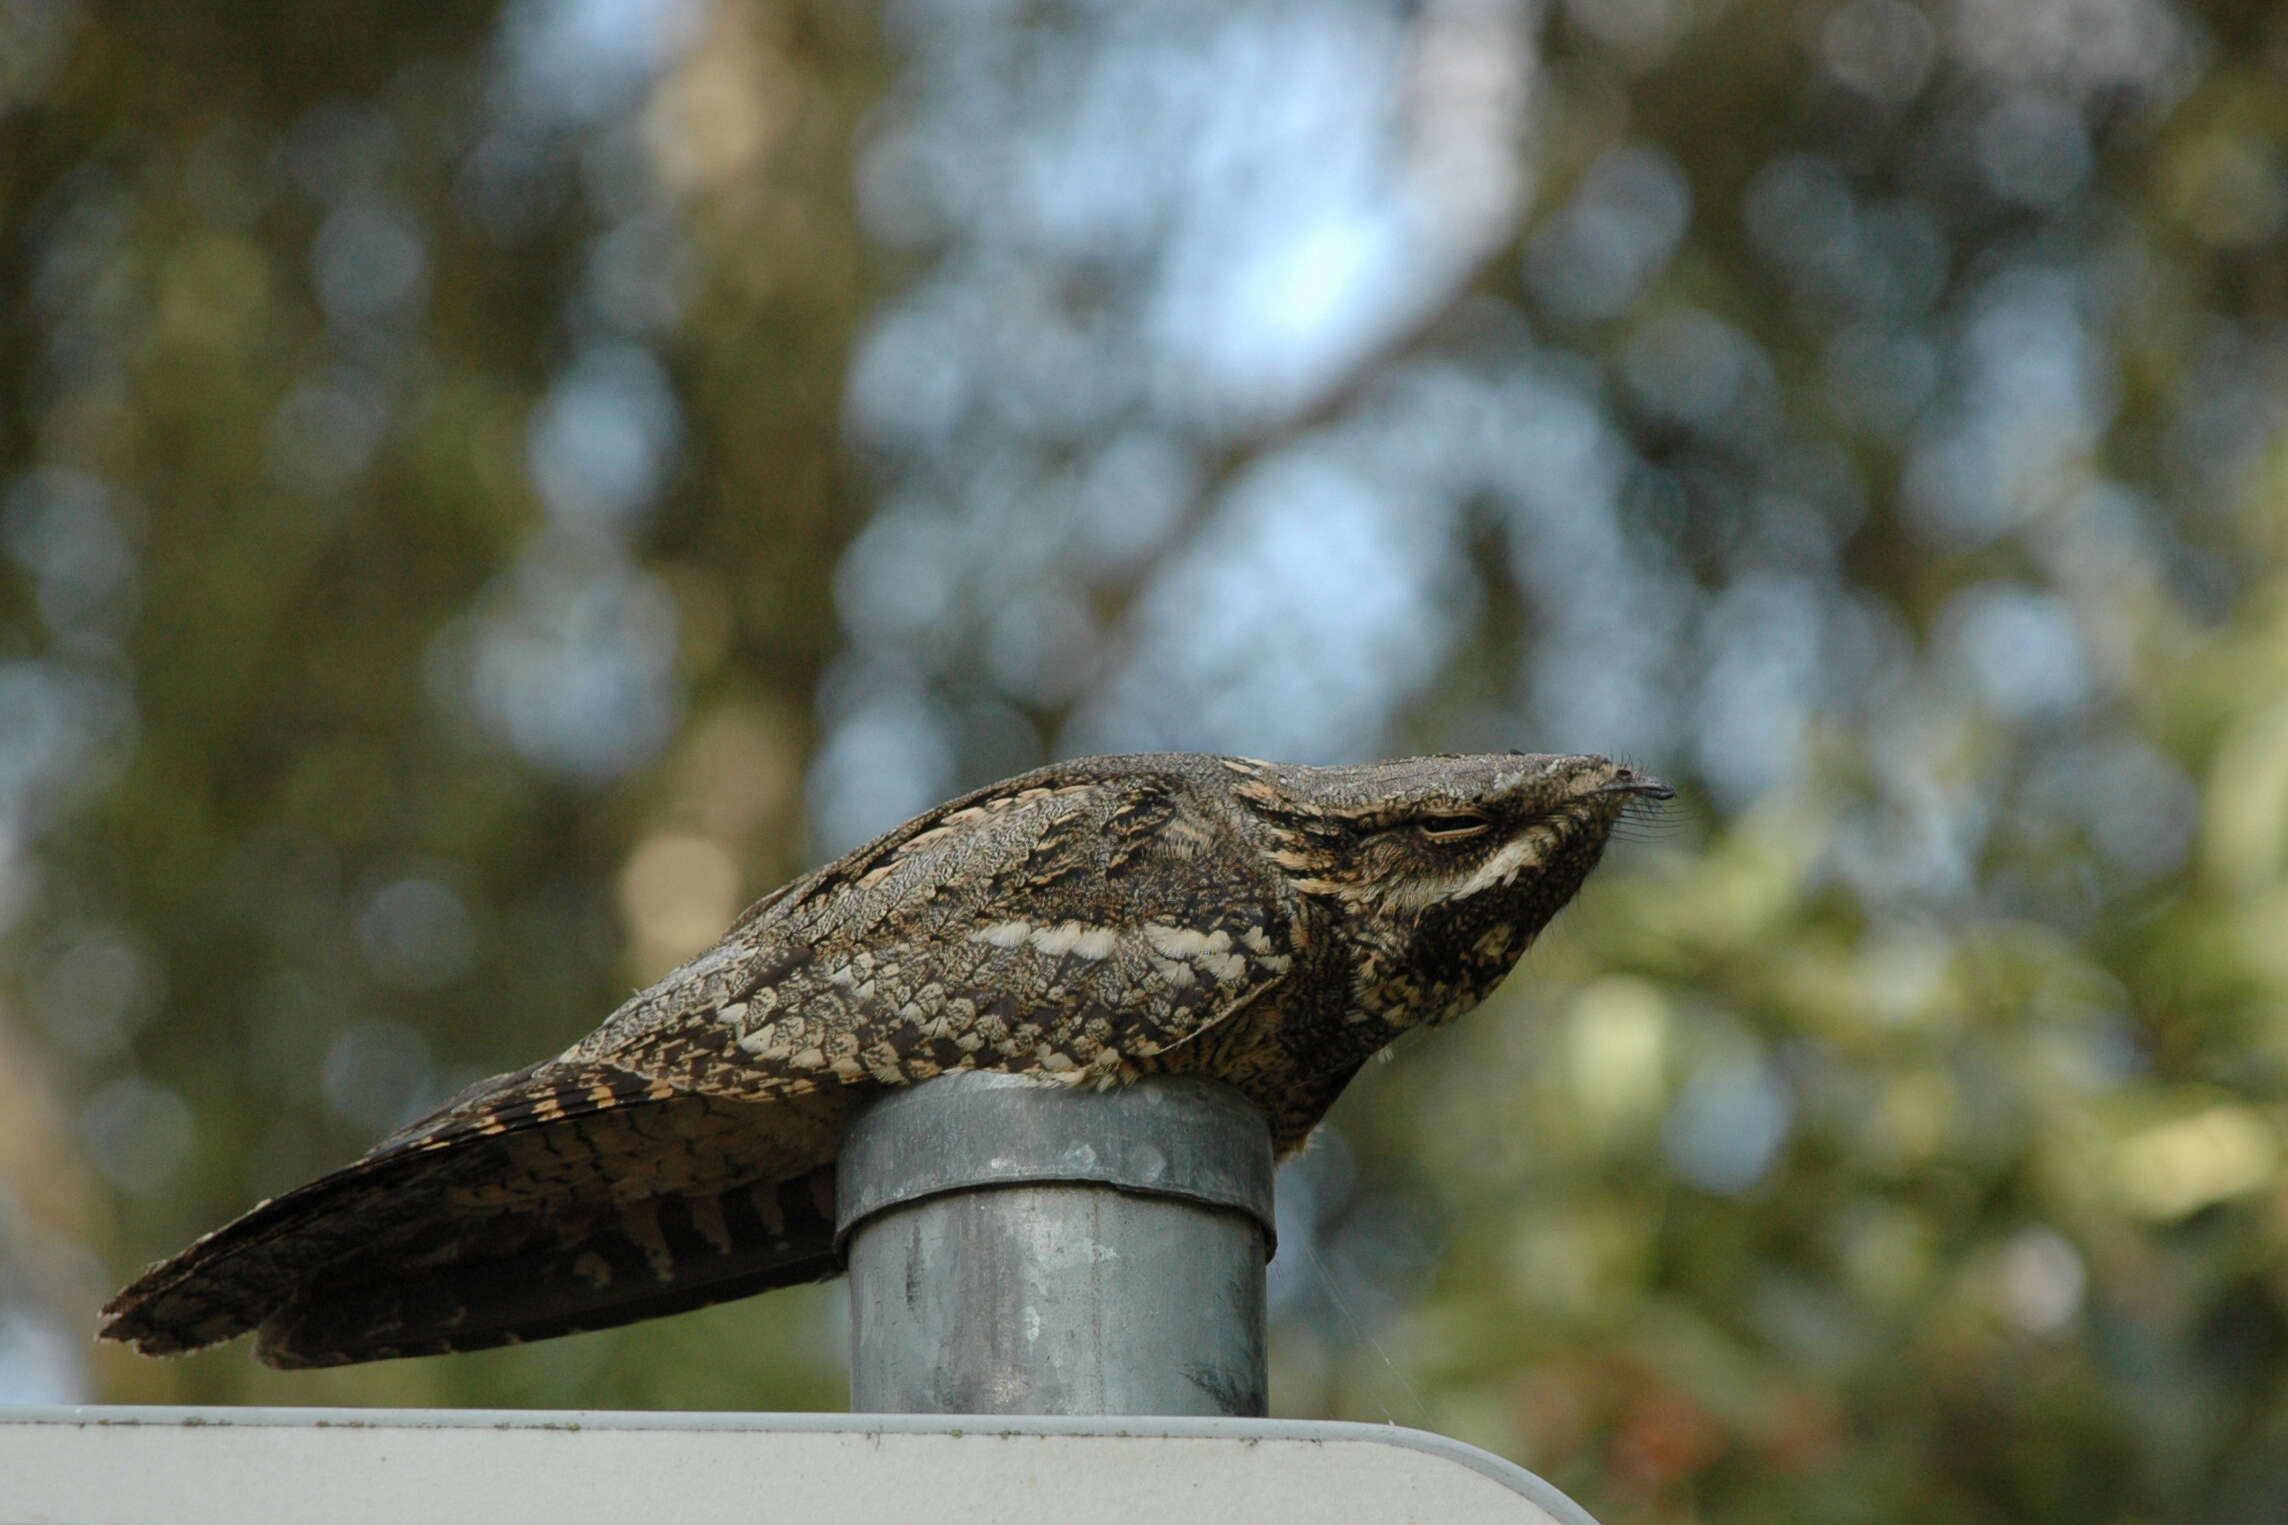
(127, 1466)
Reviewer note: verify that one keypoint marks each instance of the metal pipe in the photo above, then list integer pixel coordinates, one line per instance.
(1020, 1248)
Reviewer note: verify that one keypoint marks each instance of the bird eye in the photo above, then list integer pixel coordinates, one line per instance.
(1455, 828)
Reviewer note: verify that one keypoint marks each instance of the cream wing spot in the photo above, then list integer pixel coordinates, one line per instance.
(1096, 942)
(1074, 937)
(1177, 942)
(1055, 941)
(1176, 974)
(1224, 968)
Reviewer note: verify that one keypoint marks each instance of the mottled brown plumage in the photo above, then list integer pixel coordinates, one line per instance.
(1268, 924)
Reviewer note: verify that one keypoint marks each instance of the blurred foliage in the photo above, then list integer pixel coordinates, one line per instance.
(488, 489)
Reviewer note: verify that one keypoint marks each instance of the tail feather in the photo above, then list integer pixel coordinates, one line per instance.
(663, 1255)
(545, 1202)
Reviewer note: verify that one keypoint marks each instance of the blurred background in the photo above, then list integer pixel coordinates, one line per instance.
(486, 489)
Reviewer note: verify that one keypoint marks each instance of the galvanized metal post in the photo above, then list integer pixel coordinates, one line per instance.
(1016, 1248)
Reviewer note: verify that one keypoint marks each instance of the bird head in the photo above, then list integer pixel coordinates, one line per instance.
(1441, 870)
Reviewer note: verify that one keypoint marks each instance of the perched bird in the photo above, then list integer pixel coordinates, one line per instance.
(1270, 925)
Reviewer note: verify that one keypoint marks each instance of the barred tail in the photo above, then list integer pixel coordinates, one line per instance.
(519, 1283)
(545, 1202)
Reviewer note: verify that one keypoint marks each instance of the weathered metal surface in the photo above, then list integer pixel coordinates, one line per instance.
(1016, 1248)
(144, 1466)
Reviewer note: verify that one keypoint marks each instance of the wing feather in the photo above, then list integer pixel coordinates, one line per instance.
(1029, 929)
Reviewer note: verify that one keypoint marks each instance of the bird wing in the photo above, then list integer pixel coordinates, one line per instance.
(1034, 928)
(682, 1154)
